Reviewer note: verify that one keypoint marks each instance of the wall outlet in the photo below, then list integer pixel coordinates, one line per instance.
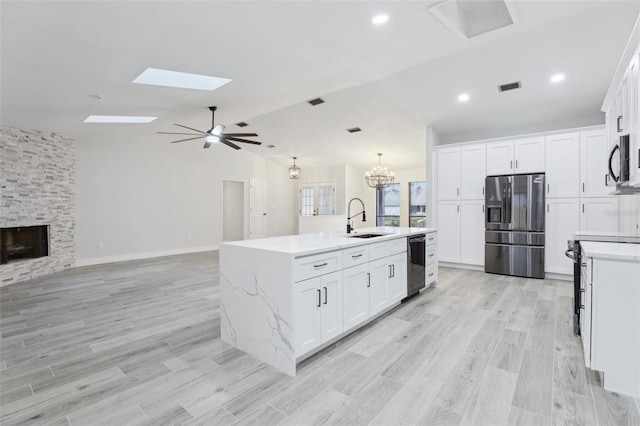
(189, 237)
(100, 246)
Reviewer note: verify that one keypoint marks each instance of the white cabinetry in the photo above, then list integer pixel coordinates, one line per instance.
(355, 291)
(317, 305)
(599, 214)
(561, 221)
(500, 158)
(563, 165)
(529, 155)
(431, 258)
(585, 308)
(526, 155)
(472, 232)
(449, 231)
(449, 174)
(593, 163)
(472, 171)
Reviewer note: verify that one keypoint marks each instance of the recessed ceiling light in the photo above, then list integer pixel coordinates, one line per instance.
(184, 80)
(380, 19)
(463, 97)
(557, 78)
(118, 119)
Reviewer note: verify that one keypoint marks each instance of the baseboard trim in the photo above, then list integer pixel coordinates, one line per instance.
(556, 276)
(145, 255)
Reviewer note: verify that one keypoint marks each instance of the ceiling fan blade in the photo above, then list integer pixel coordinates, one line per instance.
(243, 140)
(190, 128)
(231, 144)
(172, 133)
(190, 139)
(241, 134)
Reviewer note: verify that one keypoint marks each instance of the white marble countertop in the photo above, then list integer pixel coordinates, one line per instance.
(616, 251)
(306, 244)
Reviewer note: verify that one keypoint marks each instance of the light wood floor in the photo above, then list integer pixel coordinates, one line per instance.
(138, 343)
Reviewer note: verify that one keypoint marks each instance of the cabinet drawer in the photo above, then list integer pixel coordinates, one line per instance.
(355, 256)
(316, 265)
(432, 254)
(431, 273)
(387, 248)
(432, 238)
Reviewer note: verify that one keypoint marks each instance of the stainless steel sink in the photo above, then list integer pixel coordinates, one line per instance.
(365, 235)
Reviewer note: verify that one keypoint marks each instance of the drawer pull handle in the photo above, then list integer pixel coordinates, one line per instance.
(431, 255)
(319, 298)
(431, 239)
(356, 256)
(320, 265)
(325, 295)
(431, 274)
(368, 279)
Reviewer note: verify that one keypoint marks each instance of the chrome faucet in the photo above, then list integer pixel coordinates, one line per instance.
(349, 217)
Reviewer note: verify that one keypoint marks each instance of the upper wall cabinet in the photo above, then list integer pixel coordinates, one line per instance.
(500, 158)
(593, 163)
(472, 171)
(563, 165)
(449, 174)
(515, 157)
(529, 155)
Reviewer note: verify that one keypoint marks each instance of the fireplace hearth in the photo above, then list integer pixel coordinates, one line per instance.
(24, 242)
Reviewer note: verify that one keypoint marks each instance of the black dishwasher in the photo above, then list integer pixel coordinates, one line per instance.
(415, 263)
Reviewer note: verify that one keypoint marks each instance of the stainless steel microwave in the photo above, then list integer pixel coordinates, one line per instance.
(619, 161)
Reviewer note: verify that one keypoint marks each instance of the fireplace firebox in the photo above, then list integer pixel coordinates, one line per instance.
(24, 242)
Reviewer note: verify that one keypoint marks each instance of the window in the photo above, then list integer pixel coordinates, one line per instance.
(418, 204)
(317, 199)
(388, 205)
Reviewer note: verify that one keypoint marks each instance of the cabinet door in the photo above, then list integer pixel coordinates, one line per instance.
(529, 155)
(562, 220)
(398, 279)
(378, 291)
(331, 313)
(634, 120)
(472, 232)
(594, 153)
(306, 315)
(449, 174)
(563, 165)
(500, 158)
(449, 231)
(355, 295)
(599, 214)
(473, 170)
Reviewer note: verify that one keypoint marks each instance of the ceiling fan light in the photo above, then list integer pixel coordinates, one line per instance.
(212, 139)
(216, 130)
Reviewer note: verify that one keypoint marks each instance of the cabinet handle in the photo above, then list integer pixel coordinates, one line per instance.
(431, 274)
(483, 208)
(582, 186)
(457, 191)
(511, 164)
(389, 272)
(325, 295)
(458, 208)
(516, 164)
(319, 297)
(320, 265)
(619, 123)
(368, 279)
(483, 190)
(547, 187)
(393, 270)
(431, 255)
(547, 208)
(606, 179)
(356, 256)
(582, 207)
(431, 238)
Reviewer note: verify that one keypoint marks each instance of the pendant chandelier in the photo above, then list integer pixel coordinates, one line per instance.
(379, 177)
(294, 171)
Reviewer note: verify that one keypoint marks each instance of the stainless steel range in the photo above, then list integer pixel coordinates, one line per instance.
(575, 252)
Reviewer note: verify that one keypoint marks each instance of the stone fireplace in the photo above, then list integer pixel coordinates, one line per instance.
(37, 211)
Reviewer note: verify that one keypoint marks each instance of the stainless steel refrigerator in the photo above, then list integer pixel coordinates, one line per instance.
(514, 225)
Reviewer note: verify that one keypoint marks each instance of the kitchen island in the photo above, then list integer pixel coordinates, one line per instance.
(284, 298)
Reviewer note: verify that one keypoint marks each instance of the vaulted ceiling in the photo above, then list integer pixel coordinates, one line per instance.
(58, 58)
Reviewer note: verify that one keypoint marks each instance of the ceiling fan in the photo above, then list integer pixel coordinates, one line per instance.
(215, 134)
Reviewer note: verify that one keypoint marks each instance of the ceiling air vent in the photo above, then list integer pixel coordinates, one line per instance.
(509, 86)
(242, 124)
(354, 130)
(316, 101)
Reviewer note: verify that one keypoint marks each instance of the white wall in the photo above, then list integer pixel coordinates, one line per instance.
(233, 211)
(140, 197)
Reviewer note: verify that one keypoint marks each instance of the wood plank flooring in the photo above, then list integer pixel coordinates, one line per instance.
(139, 343)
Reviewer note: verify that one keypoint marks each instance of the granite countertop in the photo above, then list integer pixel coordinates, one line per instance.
(615, 251)
(307, 244)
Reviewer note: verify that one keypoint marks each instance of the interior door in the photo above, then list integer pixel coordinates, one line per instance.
(258, 207)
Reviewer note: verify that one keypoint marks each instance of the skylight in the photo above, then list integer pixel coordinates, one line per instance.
(118, 119)
(183, 80)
